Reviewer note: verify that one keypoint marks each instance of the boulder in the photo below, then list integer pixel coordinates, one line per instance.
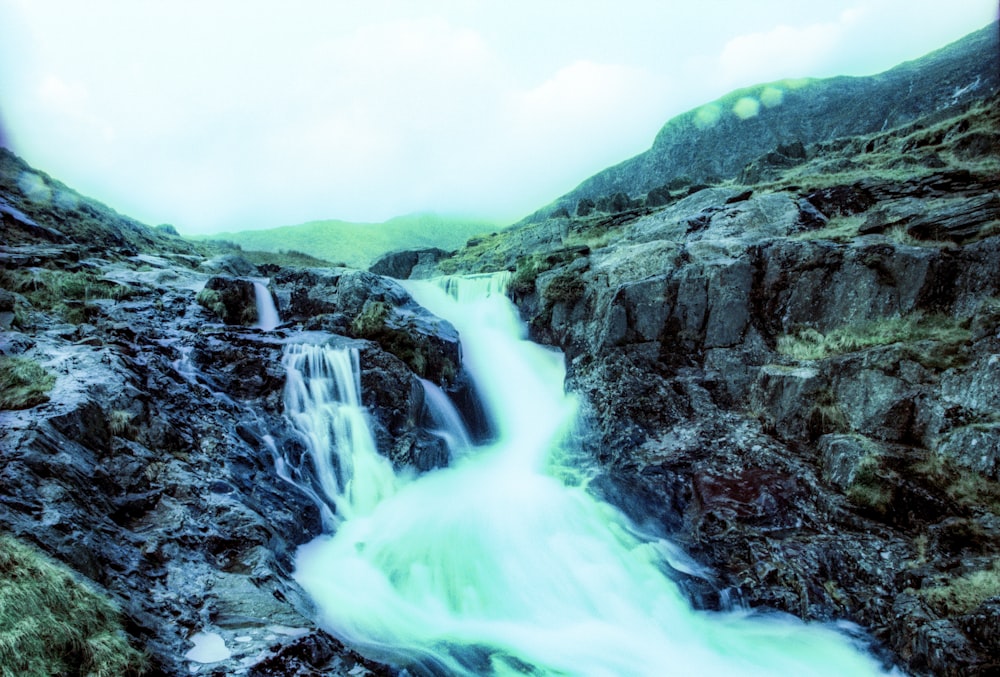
(401, 264)
(232, 300)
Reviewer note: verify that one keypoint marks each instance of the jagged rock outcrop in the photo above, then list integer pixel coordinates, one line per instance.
(408, 263)
(797, 380)
(150, 466)
(368, 306)
(150, 469)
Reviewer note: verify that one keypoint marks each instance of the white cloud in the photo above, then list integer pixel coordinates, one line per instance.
(226, 114)
(759, 57)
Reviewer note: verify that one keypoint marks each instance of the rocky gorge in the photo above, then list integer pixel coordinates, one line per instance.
(790, 372)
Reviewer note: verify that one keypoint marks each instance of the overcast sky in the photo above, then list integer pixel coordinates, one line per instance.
(246, 114)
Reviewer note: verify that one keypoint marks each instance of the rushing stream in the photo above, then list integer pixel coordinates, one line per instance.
(493, 565)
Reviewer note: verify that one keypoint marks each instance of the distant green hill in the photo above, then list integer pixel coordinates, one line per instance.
(359, 244)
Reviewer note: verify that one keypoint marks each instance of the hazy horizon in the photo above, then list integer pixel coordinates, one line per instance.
(230, 117)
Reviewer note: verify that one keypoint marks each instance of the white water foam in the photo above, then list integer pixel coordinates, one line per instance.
(494, 566)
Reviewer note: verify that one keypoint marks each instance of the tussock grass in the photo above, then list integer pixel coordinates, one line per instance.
(810, 344)
(120, 423)
(23, 383)
(837, 229)
(868, 488)
(67, 294)
(965, 594)
(51, 624)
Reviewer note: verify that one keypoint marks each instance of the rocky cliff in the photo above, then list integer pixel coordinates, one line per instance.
(142, 427)
(794, 374)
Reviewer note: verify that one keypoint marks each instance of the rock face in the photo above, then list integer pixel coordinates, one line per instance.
(149, 468)
(799, 383)
(409, 263)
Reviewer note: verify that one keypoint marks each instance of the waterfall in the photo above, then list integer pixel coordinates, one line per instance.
(448, 424)
(267, 312)
(323, 401)
(495, 566)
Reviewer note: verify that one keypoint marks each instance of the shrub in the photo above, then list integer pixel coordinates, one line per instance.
(23, 383)
(52, 624)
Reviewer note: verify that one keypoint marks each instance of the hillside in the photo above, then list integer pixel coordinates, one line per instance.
(795, 371)
(714, 142)
(359, 244)
(788, 380)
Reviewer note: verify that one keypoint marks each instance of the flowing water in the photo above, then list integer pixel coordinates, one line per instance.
(267, 311)
(493, 565)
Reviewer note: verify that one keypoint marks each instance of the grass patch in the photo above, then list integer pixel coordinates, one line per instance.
(965, 594)
(289, 259)
(51, 624)
(481, 254)
(837, 229)
(868, 489)
(810, 344)
(67, 294)
(23, 383)
(966, 487)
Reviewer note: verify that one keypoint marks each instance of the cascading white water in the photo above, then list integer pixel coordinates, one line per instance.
(267, 312)
(323, 400)
(493, 566)
(448, 424)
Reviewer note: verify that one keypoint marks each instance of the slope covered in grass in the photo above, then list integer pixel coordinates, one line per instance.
(51, 624)
(359, 244)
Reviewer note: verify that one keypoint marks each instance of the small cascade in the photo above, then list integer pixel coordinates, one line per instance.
(494, 565)
(323, 401)
(267, 312)
(446, 420)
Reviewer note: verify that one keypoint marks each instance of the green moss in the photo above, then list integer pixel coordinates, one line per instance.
(869, 489)
(212, 300)
(375, 323)
(965, 594)
(371, 320)
(52, 624)
(810, 344)
(23, 383)
(531, 266)
(966, 487)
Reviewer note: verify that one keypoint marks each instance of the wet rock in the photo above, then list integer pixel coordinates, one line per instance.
(231, 265)
(232, 300)
(402, 264)
(371, 307)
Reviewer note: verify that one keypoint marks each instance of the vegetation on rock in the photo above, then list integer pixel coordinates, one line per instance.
(52, 624)
(23, 383)
(809, 344)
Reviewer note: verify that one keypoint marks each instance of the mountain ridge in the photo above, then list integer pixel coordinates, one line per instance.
(689, 147)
